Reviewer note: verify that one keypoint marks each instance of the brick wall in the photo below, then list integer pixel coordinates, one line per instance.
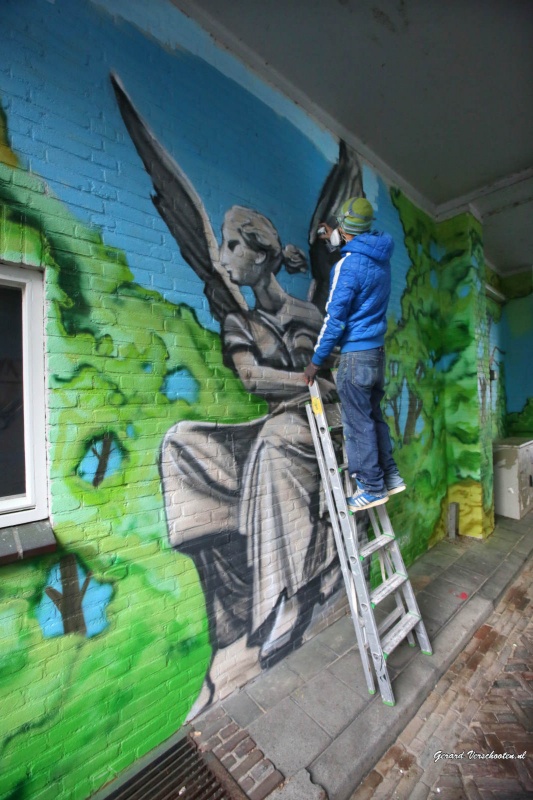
(192, 548)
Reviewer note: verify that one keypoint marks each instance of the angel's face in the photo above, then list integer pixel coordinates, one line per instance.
(244, 265)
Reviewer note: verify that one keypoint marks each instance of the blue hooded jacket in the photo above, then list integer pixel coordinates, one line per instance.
(360, 285)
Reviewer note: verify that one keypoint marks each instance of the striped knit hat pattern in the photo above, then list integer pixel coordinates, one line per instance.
(355, 215)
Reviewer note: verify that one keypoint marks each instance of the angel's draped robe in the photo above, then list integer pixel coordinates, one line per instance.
(244, 499)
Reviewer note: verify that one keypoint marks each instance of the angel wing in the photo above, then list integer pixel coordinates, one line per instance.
(182, 209)
(344, 181)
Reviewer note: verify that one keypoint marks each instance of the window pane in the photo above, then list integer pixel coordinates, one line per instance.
(12, 465)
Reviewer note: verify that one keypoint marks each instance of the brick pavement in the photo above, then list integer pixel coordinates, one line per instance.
(218, 733)
(481, 707)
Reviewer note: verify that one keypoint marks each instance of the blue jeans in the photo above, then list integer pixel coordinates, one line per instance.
(360, 384)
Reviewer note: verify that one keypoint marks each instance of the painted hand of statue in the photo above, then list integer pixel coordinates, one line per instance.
(310, 373)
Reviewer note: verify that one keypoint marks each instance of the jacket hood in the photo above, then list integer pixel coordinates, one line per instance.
(378, 246)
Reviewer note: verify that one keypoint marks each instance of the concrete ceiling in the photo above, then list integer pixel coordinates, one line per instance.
(437, 94)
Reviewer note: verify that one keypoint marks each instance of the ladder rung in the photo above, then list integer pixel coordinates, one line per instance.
(397, 634)
(390, 619)
(386, 588)
(376, 544)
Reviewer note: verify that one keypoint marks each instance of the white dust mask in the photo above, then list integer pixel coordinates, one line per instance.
(335, 238)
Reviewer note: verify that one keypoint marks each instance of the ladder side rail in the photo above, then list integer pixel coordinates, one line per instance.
(420, 629)
(406, 588)
(387, 567)
(396, 563)
(371, 629)
(402, 604)
(350, 540)
(391, 563)
(361, 527)
(339, 542)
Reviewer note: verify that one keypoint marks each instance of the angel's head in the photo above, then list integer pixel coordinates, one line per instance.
(251, 248)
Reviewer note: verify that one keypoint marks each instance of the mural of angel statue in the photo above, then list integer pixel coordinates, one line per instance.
(243, 500)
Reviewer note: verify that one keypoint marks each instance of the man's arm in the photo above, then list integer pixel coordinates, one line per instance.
(342, 291)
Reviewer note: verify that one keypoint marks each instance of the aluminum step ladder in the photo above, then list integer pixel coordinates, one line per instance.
(376, 641)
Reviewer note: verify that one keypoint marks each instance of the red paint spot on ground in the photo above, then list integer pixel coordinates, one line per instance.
(463, 596)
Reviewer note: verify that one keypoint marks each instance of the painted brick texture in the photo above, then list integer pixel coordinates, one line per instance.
(193, 547)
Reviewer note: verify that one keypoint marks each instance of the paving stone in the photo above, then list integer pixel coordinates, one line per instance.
(420, 792)
(349, 670)
(261, 769)
(387, 789)
(289, 737)
(422, 568)
(207, 725)
(480, 561)
(244, 747)
(339, 637)
(471, 789)
(407, 784)
(524, 547)
(245, 766)
(299, 787)
(463, 579)
(366, 789)
(247, 784)
(267, 786)
(402, 656)
(513, 527)
(373, 731)
(229, 761)
(391, 758)
(310, 659)
(480, 693)
(410, 731)
(494, 588)
(228, 731)
(449, 641)
(439, 556)
(328, 701)
(439, 609)
(242, 708)
(272, 686)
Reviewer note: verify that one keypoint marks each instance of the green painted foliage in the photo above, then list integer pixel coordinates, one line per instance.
(520, 423)
(77, 710)
(432, 391)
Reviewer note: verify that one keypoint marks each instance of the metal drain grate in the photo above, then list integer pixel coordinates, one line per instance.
(180, 773)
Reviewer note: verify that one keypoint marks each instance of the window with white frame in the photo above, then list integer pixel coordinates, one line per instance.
(23, 493)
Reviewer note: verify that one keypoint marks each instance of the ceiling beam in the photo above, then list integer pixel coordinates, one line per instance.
(463, 203)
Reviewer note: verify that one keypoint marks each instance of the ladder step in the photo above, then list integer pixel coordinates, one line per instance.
(386, 588)
(376, 544)
(397, 634)
(390, 619)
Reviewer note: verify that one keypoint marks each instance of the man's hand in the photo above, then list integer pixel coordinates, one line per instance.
(310, 373)
(324, 231)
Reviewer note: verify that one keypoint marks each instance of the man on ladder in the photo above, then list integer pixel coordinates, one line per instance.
(356, 320)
